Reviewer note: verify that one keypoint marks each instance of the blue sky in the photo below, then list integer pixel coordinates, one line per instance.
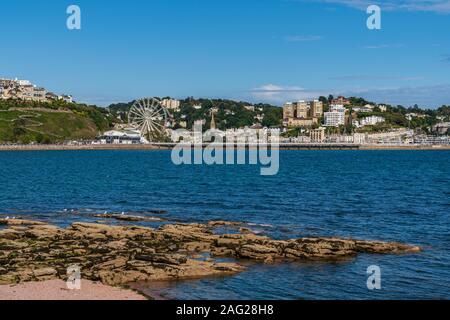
(255, 50)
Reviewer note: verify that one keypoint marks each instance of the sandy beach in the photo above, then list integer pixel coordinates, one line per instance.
(57, 290)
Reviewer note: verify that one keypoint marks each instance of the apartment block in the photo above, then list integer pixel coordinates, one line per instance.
(289, 110)
(302, 113)
(316, 109)
(334, 119)
(302, 110)
(317, 135)
(171, 104)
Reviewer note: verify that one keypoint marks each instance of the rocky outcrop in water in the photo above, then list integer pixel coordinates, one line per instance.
(115, 255)
(129, 218)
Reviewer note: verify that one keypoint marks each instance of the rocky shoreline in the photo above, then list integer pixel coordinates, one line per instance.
(120, 254)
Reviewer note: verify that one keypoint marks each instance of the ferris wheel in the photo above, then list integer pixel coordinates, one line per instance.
(148, 116)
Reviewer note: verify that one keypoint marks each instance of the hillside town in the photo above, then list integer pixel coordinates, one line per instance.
(345, 122)
(319, 121)
(25, 90)
(325, 120)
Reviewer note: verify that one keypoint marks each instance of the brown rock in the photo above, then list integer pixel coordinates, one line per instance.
(176, 259)
(119, 262)
(42, 232)
(10, 234)
(120, 254)
(45, 272)
(197, 246)
(224, 223)
(245, 230)
(258, 252)
(128, 218)
(12, 245)
(222, 252)
(20, 222)
(228, 243)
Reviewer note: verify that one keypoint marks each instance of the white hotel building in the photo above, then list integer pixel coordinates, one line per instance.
(335, 117)
(368, 121)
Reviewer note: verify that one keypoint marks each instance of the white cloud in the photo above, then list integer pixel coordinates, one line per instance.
(102, 100)
(375, 78)
(280, 94)
(425, 96)
(436, 6)
(384, 46)
(302, 38)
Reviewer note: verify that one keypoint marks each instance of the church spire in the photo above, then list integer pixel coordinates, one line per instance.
(213, 121)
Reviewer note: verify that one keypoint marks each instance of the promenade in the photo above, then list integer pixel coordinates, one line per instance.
(169, 146)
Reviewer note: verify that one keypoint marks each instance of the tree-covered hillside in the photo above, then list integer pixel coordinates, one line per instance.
(228, 113)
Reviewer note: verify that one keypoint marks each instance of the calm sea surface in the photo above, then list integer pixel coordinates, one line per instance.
(384, 195)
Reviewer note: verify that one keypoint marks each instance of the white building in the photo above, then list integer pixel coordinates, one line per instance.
(66, 98)
(337, 108)
(126, 136)
(359, 138)
(413, 115)
(300, 139)
(23, 82)
(368, 121)
(337, 138)
(259, 117)
(395, 136)
(242, 135)
(334, 119)
(371, 121)
(366, 109)
(200, 122)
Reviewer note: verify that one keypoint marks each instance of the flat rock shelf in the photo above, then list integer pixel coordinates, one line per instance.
(118, 255)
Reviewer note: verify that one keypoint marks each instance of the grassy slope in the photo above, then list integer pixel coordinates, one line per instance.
(38, 126)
